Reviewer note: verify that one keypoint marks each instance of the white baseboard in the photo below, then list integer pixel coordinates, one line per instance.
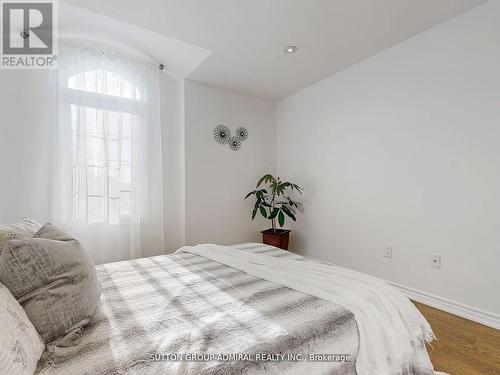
(477, 315)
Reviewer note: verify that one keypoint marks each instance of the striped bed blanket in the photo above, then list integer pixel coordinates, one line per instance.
(185, 314)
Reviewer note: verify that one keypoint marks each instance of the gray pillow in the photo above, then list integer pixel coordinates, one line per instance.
(54, 280)
(25, 228)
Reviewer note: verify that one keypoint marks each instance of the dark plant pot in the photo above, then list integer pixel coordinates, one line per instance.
(278, 238)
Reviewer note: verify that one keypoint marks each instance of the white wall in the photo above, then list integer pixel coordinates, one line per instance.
(404, 149)
(172, 121)
(218, 178)
(24, 145)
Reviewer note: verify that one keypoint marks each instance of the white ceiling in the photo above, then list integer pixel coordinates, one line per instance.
(247, 37)
(180, 58)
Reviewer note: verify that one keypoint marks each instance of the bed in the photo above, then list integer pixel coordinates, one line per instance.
(186, 314)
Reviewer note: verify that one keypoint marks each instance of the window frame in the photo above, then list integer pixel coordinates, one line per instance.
(103, 102)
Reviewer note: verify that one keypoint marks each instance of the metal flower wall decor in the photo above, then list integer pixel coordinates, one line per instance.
(222, 134)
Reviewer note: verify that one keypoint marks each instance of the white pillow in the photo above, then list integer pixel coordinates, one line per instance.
(25, 228)
(20, 344)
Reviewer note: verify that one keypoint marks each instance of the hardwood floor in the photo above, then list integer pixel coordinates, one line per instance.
(462, 347)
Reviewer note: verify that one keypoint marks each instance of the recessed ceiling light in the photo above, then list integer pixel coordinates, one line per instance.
(290, 49)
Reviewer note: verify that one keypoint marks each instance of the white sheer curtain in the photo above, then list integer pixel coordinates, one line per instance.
(107, 172)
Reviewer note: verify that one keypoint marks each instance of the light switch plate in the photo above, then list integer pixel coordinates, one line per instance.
(388, 251)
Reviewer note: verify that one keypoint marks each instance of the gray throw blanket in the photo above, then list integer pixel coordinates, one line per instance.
(154, 308)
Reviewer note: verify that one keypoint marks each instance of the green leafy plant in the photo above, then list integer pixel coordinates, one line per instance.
(273, 201)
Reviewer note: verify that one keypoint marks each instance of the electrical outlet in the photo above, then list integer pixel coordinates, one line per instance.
(388, 251)
(436, 261)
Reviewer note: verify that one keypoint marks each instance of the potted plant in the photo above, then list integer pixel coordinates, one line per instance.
(274, 203)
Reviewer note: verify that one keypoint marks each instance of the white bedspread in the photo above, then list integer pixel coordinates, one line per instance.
(392, 332)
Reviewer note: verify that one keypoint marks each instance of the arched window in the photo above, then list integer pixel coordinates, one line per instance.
(104, 115)
(106, 162)
(104, 83)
